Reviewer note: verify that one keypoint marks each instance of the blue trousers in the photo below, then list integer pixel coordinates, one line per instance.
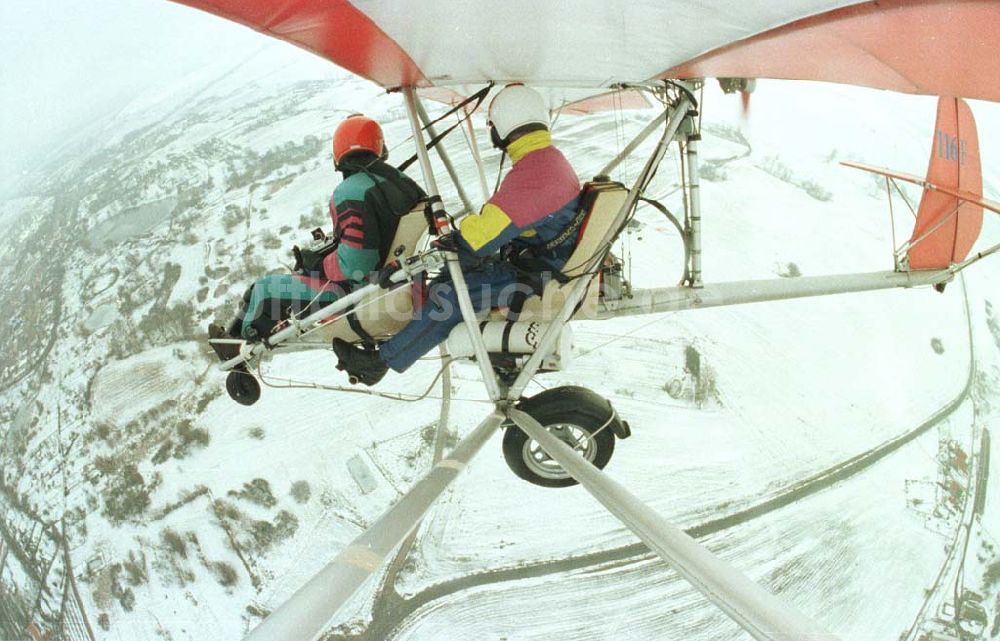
(492, 284)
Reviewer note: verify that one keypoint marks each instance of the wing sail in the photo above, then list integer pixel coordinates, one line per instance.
(333, 29)
(935, 47)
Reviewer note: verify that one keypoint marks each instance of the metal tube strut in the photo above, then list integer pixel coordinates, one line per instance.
(752, 607)
(484, 185)
(632, 146)
(580, 285)
(454, 269)
(293, 330)
(306, 615)
(694, 195)
(445, 158)
(675, 299)
(975, 258)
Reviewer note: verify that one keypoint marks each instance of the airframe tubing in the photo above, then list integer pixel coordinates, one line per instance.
(292, 331)
(673, 299)
(752, 607)
(694, 195)
(454, 269)
(305, 616)
(975, 258)
(581, 284)
(445, 158)
(632, 146)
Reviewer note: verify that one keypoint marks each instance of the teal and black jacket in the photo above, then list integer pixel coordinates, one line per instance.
(365, 209)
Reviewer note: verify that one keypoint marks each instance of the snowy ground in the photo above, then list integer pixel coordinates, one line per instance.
(798, 386)
(831, 556)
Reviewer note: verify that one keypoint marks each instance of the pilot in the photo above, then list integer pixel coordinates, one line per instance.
(508, 243)
(365, 209)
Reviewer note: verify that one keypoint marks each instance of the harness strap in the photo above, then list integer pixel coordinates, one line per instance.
(569, 231)
(355, 324)
(587, 198)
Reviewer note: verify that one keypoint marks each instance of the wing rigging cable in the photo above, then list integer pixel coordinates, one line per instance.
(477, 98)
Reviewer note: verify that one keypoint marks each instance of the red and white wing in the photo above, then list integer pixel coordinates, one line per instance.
(934, 47)
(941, 47)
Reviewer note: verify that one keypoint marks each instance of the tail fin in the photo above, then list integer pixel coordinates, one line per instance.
(947, 225)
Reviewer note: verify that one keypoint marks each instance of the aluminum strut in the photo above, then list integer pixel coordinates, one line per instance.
(445, 158)
(632, 146)
(306, 615)
(477, 157)
(454, 269)
(752, 607)
(694, 196)
(675, 299)
(294, 331)
(975, 258)
(298, 327)
(580, 286)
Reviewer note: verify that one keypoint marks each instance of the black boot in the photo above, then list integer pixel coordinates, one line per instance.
(362, 365)
(217, 331)
(223, 344)
(235, 327)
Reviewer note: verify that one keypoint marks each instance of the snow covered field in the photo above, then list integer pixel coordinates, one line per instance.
(834, 556)
(795, 387)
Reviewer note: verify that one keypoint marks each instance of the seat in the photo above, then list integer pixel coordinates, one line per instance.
(587, 256)
(383, 313)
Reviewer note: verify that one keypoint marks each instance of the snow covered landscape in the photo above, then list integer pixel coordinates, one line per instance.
(834, 449)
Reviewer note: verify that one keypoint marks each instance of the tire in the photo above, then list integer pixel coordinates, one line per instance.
(574, 414)
(243, 387)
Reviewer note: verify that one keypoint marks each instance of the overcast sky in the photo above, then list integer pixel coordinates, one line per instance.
(67, 61)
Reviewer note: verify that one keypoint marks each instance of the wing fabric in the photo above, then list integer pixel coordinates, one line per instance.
(939, 47)
(935, 47)
(332, 29)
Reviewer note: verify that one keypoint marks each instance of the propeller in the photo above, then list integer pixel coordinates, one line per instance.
(744, 86)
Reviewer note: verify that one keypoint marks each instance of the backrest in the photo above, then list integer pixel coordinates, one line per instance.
(408, 232)
(387, 312)
(586, 257)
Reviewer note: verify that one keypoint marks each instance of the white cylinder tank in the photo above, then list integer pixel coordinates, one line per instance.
(513, 337)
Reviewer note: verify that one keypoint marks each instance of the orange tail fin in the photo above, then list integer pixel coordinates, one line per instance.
(947, 226)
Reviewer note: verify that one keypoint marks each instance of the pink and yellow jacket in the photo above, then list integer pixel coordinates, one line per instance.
(535, 202)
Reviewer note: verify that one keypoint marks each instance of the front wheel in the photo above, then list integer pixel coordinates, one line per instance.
(580, 418)
(243, 386)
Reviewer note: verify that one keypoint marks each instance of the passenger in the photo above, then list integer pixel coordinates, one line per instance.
(365, 209)
(515, 239)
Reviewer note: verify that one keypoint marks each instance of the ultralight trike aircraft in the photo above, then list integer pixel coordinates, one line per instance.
(587, 56)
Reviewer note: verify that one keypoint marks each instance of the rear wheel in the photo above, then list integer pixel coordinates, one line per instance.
(580, 418)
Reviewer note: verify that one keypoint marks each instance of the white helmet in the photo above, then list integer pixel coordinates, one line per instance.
(514, 107)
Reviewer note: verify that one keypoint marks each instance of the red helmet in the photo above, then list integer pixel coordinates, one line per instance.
(357, 133)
